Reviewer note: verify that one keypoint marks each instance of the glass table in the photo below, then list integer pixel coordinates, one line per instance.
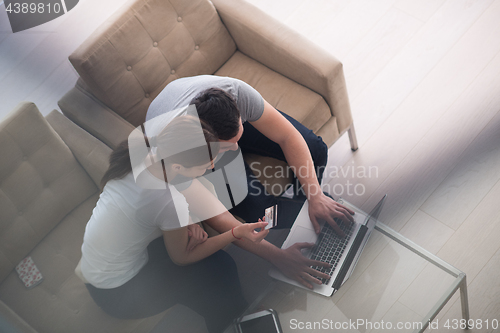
(396, 286)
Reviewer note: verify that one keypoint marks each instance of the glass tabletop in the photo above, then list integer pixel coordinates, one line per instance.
(396, 286)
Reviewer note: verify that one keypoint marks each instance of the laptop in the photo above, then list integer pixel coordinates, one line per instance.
(341, 252)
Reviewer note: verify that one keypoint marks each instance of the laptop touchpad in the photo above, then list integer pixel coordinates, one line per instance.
(300, 234)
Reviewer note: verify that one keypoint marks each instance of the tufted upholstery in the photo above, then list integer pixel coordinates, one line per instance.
(146, 45)
(38, 178)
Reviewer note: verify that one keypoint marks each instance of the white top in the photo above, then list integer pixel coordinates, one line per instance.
(125, 220)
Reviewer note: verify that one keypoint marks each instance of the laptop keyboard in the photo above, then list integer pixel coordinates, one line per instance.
(329, 247)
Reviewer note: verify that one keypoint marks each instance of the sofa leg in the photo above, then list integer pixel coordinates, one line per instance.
(352, 138)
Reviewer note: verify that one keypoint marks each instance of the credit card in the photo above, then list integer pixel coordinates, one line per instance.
(271, 216)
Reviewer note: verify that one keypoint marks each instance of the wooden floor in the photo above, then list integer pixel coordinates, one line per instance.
(424, 83)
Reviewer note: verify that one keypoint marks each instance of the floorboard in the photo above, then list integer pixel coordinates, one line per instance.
(422, 9)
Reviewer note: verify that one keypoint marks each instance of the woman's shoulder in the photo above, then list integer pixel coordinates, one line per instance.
(129, 190)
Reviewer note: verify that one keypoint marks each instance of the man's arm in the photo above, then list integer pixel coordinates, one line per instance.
(278, 129)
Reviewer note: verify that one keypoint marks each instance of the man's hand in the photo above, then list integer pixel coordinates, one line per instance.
(196, 236)
(293, 264)
(325, 208)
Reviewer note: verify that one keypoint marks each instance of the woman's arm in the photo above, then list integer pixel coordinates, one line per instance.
(202, 203)
(176, 242)
(196, 236)
(290, 261)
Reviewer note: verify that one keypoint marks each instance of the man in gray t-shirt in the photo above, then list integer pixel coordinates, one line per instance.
(241, 117)
(181, 92)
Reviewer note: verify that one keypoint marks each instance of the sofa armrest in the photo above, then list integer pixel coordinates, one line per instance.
(10, 322)
(92, 154)
(94, 117)
(278, 47)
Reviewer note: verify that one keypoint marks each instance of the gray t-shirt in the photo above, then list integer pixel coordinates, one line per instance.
(181, 92)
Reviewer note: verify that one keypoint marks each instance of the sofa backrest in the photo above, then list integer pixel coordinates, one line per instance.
(40, 183)
(147, 44)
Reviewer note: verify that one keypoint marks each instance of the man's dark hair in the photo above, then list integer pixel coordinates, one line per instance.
(218, 108)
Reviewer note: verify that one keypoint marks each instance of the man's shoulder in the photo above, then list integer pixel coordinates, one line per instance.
(201, 79)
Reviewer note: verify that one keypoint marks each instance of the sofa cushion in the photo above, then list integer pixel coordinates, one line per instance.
(40, 182)
(91, 153)
(303, 104)
(129, 60)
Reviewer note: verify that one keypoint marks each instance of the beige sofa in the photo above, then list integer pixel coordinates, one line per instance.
(49, 171)
(127, 62)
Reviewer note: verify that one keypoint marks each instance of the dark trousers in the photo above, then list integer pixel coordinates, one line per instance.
(253, 206)
(210, 287)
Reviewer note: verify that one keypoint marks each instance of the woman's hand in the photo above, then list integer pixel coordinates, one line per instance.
(196, 236)
(247, 231)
